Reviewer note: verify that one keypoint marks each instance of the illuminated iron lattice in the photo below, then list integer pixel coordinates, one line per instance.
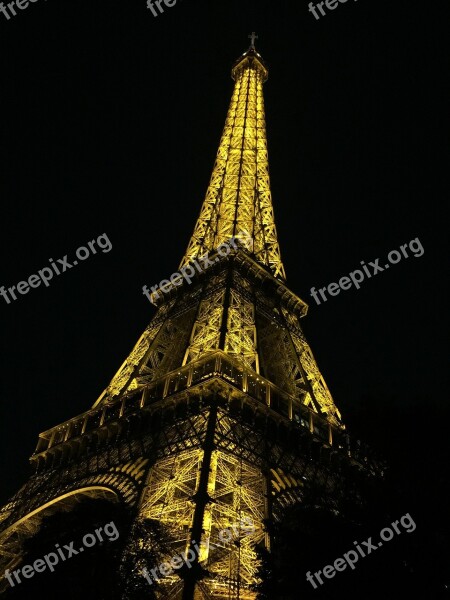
(220, 411)
(238, 196)
(237, 491)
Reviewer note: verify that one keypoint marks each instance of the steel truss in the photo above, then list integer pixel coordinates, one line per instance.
(220, 413)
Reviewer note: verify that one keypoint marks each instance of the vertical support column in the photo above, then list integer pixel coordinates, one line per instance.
(144, 397)
(225, 311)
(245, 382)
(190, 375)
(267, 509)
(208, 517)
(83, 429)
(122, 408)
(201, 500)
(166, 386)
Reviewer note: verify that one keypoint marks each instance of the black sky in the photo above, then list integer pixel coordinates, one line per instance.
(110, 120)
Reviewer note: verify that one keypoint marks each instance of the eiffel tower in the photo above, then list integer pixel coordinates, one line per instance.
(219, 416)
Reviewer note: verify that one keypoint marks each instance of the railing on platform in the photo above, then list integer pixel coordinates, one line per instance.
(216, 364)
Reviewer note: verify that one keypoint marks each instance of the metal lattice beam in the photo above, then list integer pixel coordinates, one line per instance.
(238, 197)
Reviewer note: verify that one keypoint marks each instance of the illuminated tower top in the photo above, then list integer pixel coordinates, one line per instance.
(241, 306)
(238, 197)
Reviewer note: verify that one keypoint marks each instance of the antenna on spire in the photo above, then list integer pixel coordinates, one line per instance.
(253, 37)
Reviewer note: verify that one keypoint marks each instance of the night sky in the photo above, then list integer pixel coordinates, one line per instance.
(110, 121)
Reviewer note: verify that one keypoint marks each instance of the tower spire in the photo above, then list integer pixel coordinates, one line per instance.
(238, 197)
(253, 37)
